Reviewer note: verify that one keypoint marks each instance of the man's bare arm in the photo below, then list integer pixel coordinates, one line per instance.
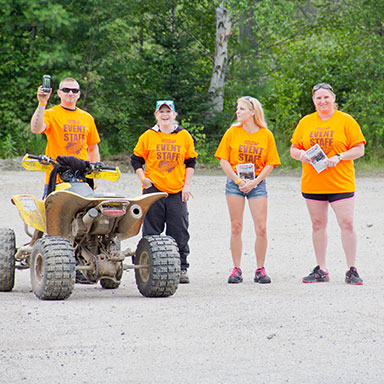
(37, 121)
(93, 153)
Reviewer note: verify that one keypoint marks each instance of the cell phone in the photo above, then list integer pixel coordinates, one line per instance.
(46, 83)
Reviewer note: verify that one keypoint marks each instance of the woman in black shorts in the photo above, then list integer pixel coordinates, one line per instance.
(339, 136)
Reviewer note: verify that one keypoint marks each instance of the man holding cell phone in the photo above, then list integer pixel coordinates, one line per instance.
(70, 131)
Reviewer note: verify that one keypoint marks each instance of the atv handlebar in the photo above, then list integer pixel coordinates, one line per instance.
(97, 170)
(42, 159)
(98, 166)
(101, 166)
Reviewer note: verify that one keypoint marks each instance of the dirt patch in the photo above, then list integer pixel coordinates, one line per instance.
(209, 331)
(13, 164)
(123, 161)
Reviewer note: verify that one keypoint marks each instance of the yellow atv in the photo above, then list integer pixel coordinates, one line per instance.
(77, 234)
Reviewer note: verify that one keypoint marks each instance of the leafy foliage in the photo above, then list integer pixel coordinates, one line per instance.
(126, 55)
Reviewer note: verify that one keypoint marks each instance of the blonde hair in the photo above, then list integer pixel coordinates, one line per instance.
(255, 106)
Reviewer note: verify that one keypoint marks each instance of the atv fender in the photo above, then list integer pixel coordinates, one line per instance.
(31, 210)
(61, 208)
(130, 226)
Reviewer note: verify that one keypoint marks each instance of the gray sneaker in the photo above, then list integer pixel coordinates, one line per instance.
(236, 276)
(317, 276)
(352, 277)
(261, 276)
(184, 279)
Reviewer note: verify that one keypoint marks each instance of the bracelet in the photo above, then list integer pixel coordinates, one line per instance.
(142, 178)
(42, 104)
(238, 181)
(340, 156)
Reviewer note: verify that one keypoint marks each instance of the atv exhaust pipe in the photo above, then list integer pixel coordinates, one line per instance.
(90, 216)
(135, 211)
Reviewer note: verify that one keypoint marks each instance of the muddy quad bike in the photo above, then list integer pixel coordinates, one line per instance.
(77, 232)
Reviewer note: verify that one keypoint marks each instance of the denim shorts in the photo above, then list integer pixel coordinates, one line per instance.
(233, 189)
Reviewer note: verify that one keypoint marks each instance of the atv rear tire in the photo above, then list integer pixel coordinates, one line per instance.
(7, 259)
(109, 283)
(52, 268)
(160, 261)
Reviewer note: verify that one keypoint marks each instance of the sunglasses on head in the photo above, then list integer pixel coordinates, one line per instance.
(248, 98)
(67, 90)
(168, 103)
(321, 85)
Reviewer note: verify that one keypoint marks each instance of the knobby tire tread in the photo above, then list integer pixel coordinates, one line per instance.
(164, 266)
(59, 268)
(7, 259)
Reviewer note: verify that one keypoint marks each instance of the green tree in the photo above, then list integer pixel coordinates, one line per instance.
(126, 55)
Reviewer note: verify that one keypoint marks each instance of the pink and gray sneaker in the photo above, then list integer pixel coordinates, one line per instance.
(352, 277)
(261, 276)
(318, 275)
(236, 276)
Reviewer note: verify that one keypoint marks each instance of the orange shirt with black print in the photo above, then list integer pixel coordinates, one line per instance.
(164, 155)
(69, 133)
(239, 147)
(335, 135)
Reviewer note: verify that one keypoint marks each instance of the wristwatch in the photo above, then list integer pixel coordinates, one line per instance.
(339, 156)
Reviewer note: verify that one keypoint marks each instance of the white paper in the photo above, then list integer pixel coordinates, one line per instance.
(317, 157)
(246, 171)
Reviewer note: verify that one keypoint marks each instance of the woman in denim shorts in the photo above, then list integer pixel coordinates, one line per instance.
(247, 154)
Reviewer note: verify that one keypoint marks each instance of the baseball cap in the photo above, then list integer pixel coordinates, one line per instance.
(169, 103)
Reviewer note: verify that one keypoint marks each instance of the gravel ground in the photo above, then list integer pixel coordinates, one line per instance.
(209, 331)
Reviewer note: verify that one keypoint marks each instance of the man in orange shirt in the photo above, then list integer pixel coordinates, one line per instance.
(70, 131)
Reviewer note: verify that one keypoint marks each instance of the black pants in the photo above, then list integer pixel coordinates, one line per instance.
(172, 212)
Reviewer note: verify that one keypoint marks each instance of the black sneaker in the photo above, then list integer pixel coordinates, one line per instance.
(352, 277)
(235, 277)
(317, 276)
(261, 276)
(184, 279)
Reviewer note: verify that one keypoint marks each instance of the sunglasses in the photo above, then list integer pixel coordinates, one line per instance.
(67, 90)
(168, 103)
(321, 85)
(248, 98)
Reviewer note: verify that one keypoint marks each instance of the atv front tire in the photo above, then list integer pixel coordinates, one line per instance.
(7, 259)
(159, 259)
(52, 268)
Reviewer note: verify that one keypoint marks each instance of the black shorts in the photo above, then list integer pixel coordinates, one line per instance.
(330, 197)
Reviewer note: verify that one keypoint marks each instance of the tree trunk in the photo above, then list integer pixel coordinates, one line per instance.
(223, 33)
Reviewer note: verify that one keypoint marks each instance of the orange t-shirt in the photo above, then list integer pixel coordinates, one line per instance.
(240, 147)
(69, 133)
(335, 135)
(164, 155)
